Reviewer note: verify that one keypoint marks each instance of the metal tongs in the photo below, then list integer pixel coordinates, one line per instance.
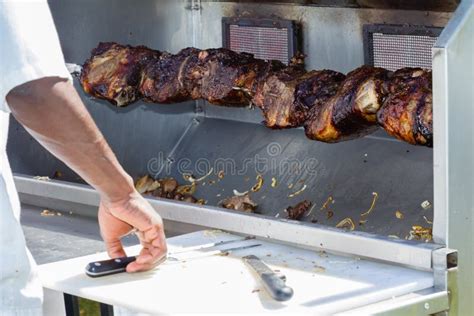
(118, 265)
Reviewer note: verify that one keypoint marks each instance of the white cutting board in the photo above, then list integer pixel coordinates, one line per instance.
(322, 283)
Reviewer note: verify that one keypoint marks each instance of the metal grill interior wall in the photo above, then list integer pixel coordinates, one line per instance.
(142, 134)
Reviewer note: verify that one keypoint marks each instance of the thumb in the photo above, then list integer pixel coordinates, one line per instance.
(114, 248)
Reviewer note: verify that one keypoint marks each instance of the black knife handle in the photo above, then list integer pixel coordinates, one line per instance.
(106, 267)
(276, 287)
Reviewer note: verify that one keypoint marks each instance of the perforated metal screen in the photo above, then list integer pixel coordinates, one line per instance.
(265, 39)
(394, 47)
(263, 42)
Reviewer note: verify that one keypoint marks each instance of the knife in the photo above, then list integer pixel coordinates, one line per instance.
(118, 265)
(106, 267)
(273, 283)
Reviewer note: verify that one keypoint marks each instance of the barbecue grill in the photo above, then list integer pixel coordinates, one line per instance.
(396, 185)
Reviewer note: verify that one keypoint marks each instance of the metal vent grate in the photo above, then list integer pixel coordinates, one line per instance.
(263, 42)
(393, 47)
(264, 38)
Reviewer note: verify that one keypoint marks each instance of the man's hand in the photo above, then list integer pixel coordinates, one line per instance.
(52, 111)
(117, 219)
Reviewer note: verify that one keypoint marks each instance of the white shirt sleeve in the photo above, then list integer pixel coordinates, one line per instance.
(29, 45)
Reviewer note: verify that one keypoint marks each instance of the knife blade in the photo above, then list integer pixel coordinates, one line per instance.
(210, 245)
(210, 253)
(273, 283)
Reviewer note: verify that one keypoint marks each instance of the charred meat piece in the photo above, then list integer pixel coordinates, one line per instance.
(239, 203)
(272, 67)
(407, 112)
(289, 95)
(351, 113)
(297, 211)
(227, 77)
(164, 79)
(276, 69)
(114, 71)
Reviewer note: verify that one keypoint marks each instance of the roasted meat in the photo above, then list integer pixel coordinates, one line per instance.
(331, 107)
(114, 71)
(287, 96)
(165, 80)
(351, 113)
(229, 78)
(407, 112)
(220, 76)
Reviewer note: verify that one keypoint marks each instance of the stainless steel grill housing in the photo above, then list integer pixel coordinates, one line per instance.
(333, 38)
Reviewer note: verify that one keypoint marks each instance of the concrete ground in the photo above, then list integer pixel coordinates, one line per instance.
(54, 238)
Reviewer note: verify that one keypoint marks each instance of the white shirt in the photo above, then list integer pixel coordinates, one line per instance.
(29, 50)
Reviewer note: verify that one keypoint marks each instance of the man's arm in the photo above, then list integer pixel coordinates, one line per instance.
(52, 111)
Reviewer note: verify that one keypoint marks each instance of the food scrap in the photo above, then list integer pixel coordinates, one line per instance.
(329, 214)
(311, 209)
(205, 176)
(375, 194)
(221, 174)
(322, 254)
(297, 192)
(50, 213)
(239, 203)
(399, 214)
(167, 188)
(427, 220)
(421, 233)
(258, 185)
(346, 223)
(212, 232)
(143, 184)
(425, 204)
(187, 189)
(325, 204)
(190, 178)
(274, 182)
(237, 193)
(297, 211)
(201, 202)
